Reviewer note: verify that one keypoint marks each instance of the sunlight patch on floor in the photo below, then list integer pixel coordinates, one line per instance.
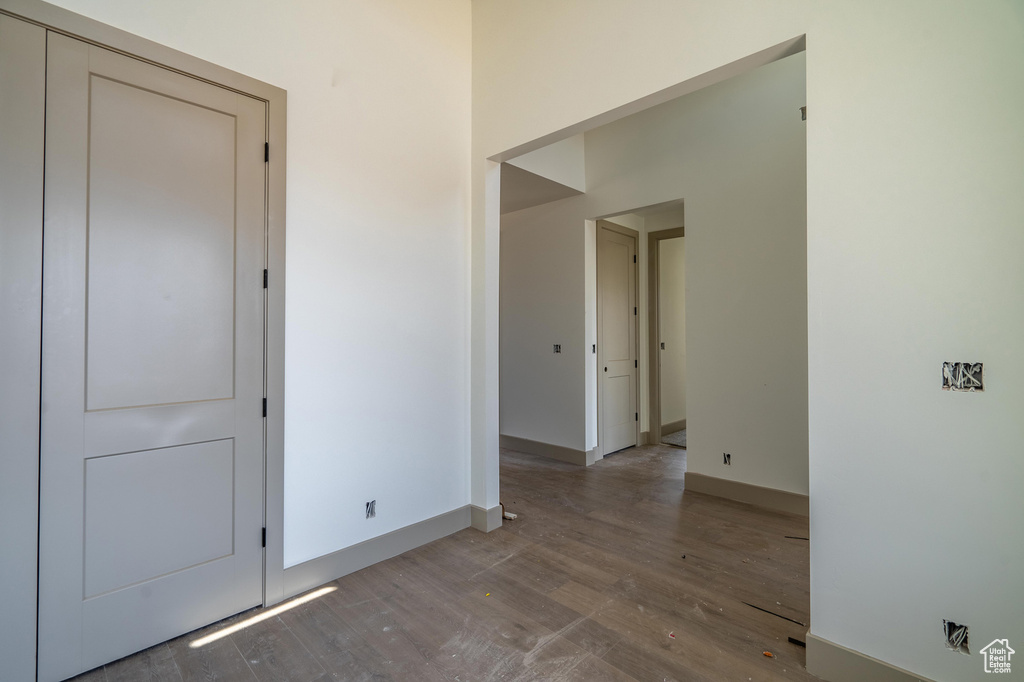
(260, 617)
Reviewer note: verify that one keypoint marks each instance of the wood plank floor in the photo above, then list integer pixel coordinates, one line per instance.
(610, 572)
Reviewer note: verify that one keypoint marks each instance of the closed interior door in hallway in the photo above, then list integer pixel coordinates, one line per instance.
(617, 337)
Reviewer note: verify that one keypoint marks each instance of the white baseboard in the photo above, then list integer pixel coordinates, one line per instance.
(672, 427)
(836, 663)
(783, 500)
(314, 572)
(533, 447)
(485, 520)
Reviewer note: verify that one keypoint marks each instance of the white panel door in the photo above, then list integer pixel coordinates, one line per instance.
(152, 358)
(617, 327)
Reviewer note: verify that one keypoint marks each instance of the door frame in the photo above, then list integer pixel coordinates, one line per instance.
(628, 232)
(62, 21)
(654, 240)
(22, 70)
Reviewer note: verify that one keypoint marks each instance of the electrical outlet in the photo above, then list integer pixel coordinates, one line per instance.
(726, 459)
(558, 348)
(371, 509)
(956, 637)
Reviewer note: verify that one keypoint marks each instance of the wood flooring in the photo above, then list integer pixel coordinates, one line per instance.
(610, 572)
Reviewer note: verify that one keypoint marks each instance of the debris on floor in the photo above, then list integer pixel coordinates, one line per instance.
(507, 514)
(672, 635)
(768, 654)
(779, 615)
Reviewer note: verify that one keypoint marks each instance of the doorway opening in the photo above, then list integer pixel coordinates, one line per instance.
(666, 263)
(652, 225)
(734, 325)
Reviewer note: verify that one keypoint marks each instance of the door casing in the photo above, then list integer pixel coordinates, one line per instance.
(22, 71)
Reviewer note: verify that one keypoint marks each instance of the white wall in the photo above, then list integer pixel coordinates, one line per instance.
(665, 218)
(672, 323)
(543, 280)
(913, 155)
(562, 161)
(735, 151)
(631, 220)
(377, 289)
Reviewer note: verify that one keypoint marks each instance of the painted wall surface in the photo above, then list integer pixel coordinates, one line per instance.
(561, 162)
(672, 324)
(542, 303)
(735, 152)
(913, 158)
(377, 289)
(666, 218)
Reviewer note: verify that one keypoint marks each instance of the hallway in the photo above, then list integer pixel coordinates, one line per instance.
(609, 573)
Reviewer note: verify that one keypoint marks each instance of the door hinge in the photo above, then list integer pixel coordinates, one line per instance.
(266, 152)
(634, 258)
(634, 310)
(264, 407)
(634, 363)
(264, 537)
(636, 416)
(266, 278)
